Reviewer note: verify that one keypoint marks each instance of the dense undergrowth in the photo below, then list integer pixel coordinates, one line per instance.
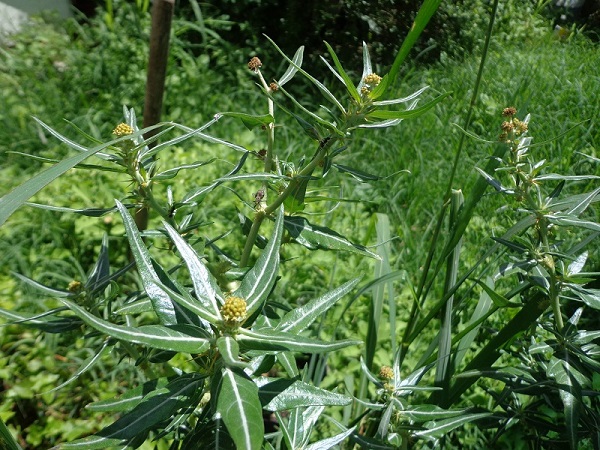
(86, 73)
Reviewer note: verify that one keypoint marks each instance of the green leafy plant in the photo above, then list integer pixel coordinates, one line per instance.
(219, 347)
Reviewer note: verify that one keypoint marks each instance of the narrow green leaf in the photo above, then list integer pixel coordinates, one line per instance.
(198, 194)
(129, 399)
(18, 196)
(428, 8)
(46, 290)
(573, 221)
(344, 76)
(6, 439)
(292, 69)
(326, 92)
(88, 363)
(570, 394)
(239, 407)
(557, 176)
(316, 237)
(428, 413)
(172, 173)
(301, 394)
(205, 286)
(90, 212)
(147, 414)
(258, 282)
(407, 114)
(438, 429)
(250, 121)
(162, 304)
(327, 443)
(298, 319)
(42, 321)
(581, 206)
(276, 341)
(155, 336)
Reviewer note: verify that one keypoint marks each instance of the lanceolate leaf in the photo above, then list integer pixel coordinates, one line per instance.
(172, 173)
(327, 443)
(570, 394)
(250, 121)
(301, 394)
(17, 197)
(43, 288)
(155, 336)
(291, 70)
(316, 237)
(205, 286)
(298, 319)
(427, 10)
(344, 76)
(409, 113)
(42, 321)
(151, 411)
(240, 409)
(437, 429)
(162, 304)
(259, 280)
(129, 399)
(273, 340)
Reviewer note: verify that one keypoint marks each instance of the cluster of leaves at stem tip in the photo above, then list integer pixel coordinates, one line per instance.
(224, 320)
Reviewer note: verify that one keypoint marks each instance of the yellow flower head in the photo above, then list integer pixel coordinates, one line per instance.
(372, 79)
(233, 310)
(122, 130)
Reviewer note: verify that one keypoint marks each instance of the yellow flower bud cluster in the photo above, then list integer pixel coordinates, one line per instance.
(386, 373)
(233, 310)
(372, 79)
(122, 130)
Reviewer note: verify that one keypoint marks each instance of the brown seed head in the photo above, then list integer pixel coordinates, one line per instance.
(254, 64)
(509, 112)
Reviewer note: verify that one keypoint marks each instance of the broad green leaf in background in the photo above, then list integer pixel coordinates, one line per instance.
(240, 409)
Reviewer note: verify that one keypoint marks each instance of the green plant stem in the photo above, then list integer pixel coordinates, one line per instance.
(293, 184)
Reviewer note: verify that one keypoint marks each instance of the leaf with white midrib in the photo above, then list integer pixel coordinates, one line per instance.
(155, 336)
(300, 318)
(240, 409)
(205, 285)
(162, 304)
(259, 280)
(144, 416)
